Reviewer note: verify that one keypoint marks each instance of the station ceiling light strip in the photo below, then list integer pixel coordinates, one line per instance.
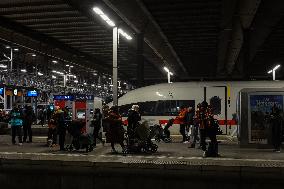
(111, 23)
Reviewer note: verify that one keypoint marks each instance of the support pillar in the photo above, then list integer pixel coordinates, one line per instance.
(140, 60)
(114, 67)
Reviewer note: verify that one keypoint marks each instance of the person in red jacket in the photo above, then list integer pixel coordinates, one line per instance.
(181, 118)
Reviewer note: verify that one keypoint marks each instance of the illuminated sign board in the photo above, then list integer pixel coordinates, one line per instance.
(32, 93)
(84, 97)
(63, 97)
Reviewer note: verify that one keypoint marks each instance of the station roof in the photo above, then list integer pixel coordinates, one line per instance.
(196, 39)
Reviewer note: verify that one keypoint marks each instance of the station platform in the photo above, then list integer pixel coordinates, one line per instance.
(173, 163)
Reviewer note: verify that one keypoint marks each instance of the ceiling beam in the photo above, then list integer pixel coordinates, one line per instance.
(232, 36)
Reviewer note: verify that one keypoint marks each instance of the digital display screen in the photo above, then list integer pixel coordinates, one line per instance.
(32, 93)
(81, 114)
(84, 97)
(63, 97)
(1, 91)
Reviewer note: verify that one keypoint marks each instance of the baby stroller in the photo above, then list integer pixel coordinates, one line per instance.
(80, 140)
(142, 140)
(158, 133)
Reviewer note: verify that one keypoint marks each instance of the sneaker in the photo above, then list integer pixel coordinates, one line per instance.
(20, 144)
(185, 142)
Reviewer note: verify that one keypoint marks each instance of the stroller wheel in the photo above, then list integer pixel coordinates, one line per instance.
(154, 148)
(69, 148)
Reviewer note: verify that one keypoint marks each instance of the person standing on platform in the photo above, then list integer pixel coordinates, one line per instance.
(61, 127)
(182, 118)
(207, 129)
(133, 120)
(29, 117)
(97, 124)
(115, 132)
(276, 122)
(16, 121)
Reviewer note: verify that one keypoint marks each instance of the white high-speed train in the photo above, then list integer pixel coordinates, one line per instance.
(158, 103)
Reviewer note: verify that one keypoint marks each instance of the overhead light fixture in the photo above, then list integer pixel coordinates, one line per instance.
(57, 72)
(8, 47)
(23, 70)
(273, 71)
(34, 55)
(166, 69)
(67, 65)
(40, 74)
(168, 73)
(99, 12)
(53, 77)
(76, 81)
(3, 66)
(71, 66)
(99, 86)
(16, 49)
(93, 85)
(54, 61)
(85, 83)
(124, 34)
(95, 74)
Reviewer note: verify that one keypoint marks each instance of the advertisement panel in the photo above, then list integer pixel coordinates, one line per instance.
(260, 107)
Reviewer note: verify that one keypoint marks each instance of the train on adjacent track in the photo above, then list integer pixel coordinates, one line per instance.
(158, 103)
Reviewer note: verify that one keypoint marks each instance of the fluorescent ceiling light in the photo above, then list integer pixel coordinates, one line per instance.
(124, 34)
(54, 61)
(93, 85)
(40, 74)
(67, 65)
(53, 77)
(76, 81)
(33, 55)
(269, 72)
(23, 70)
(3, 66)
(276, 67)
(99, 12)
(166, 69)
(16, 49)
(8, 47)
(85, 83)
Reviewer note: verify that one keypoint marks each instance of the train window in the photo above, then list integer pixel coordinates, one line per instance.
(147, 108)
(124, 109)
(160, 108)
(186, 103)
(170, 107)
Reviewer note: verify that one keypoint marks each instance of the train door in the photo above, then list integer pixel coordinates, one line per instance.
(216, 96)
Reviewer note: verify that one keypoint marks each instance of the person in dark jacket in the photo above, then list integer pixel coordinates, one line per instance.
(133, 120)
(277, 122)
(115, 132)
(97, 124)
(16, 121)
(29, 117)
(62, 118)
